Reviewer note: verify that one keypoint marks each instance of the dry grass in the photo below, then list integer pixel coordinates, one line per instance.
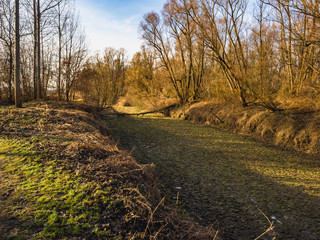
(72, 142)
(293, 127)
(144, 103)
(224, 179)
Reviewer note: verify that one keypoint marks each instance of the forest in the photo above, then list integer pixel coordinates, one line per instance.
(264, 52)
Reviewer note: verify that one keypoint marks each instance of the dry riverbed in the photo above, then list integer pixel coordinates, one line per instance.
(228, 180)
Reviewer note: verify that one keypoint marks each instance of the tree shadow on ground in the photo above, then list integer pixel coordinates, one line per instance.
(223, 178)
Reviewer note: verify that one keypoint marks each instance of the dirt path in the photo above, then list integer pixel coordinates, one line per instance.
(224, 179)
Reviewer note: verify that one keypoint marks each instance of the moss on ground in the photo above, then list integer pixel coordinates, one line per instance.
(224, 179)
(57, 177)
(52, 203)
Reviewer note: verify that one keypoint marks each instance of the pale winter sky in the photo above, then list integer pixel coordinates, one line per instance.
(115, 23)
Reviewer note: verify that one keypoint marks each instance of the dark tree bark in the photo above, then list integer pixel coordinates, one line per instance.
(35, 26)
(38, 51)
(18, 101)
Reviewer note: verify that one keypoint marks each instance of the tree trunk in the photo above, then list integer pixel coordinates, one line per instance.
(35, 30)
(11, 71)
(43, 69)
(38, 51)
(60, 54)
(18, 101)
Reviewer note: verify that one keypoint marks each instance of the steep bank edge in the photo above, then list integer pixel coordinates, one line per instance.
(293, 129)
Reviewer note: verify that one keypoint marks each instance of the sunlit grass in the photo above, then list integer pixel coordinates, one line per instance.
(51, 201)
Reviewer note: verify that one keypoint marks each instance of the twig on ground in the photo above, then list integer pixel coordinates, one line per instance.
(157, 233)
(151, 217)
(216, 235)
(216, 116)
(270, 228)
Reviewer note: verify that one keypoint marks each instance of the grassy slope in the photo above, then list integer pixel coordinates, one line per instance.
(295, 127)
(226, 178)
(62, 178)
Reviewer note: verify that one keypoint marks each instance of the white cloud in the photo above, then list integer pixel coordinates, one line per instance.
(104, 30)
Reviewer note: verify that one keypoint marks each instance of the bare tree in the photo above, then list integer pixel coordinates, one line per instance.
(264, 55)
(7, 37)
(75, 52)
(141, 73)
(40, 34)
(39, 10)
(221, 24)
(298, 23)
(63, 13)
(101, 81)
(184, 61)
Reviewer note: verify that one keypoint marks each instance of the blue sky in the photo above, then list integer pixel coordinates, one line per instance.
(114, 23)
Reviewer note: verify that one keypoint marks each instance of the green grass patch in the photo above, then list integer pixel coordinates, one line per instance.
(50, 201)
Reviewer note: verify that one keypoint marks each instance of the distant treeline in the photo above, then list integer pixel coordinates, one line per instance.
(255, 51)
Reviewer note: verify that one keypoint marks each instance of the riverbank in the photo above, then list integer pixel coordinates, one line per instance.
(292, 127)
